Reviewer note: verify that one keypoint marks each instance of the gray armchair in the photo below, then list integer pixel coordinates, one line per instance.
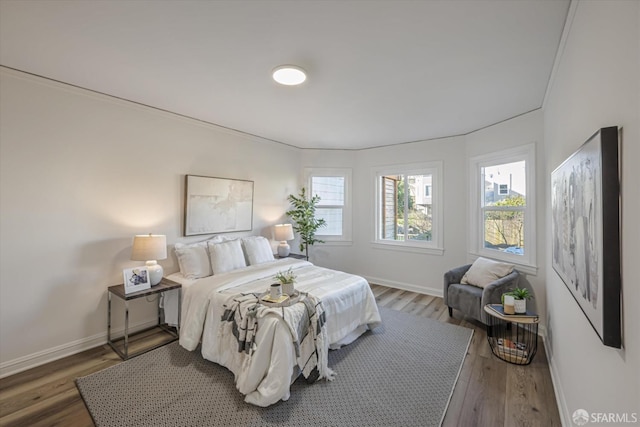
(471, 299)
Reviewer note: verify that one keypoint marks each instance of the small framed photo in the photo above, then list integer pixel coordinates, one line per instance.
(136, 279)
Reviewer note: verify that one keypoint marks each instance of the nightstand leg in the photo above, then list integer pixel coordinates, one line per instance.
(179, 310)
(126, 330)
(109, 319)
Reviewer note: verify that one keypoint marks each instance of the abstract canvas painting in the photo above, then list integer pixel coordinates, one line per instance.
(585, 205)
(217, 205)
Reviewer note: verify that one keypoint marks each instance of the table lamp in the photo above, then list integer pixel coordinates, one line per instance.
(283, 232)
(149, 248)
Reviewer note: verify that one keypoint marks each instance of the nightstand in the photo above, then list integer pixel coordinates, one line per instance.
(296, 256)
(118, 290)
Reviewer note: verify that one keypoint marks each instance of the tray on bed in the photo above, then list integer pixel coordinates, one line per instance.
(266, 299)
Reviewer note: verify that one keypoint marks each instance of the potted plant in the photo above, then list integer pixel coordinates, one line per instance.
(520, 295)
(303, 215)
(287, 279)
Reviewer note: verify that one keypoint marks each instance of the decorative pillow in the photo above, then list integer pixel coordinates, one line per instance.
(193, 260)
(226, 256)
(257, 250)
(484, 271)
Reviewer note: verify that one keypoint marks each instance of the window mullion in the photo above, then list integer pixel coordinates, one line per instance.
(406, 207)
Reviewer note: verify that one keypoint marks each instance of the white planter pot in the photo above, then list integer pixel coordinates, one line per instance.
(288, 288)
(520, 306)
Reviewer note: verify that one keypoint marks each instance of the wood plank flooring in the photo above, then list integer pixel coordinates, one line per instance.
(489, 392)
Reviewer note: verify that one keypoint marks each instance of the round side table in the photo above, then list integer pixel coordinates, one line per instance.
(512, 337)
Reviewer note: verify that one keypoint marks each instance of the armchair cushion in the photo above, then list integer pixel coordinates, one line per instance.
(484, 271)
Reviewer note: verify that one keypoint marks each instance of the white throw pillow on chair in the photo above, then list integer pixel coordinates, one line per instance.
(484, 271)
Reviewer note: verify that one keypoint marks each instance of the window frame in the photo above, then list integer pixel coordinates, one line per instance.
(346, 237)
(525, 263)
(436, 245)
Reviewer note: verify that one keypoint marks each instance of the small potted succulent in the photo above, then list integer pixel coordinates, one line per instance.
(287, 279)
(520, 296)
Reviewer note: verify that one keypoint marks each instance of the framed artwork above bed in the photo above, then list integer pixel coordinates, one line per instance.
(585, 230)
(217, 205)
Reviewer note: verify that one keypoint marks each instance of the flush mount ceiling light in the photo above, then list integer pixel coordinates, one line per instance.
(289, 75)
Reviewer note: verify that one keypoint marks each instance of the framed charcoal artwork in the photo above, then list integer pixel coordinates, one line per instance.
(585, 230)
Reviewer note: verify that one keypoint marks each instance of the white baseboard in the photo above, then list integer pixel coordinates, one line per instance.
(49, 355)
(557, 385)
(405, 286)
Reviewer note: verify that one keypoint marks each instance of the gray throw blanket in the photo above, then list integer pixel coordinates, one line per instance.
(305, 319)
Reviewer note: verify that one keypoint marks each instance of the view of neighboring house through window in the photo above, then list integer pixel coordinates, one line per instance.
(406, 213)
(504, 201)
(503, 205)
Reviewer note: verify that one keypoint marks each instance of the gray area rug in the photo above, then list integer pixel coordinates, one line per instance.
(400, 374)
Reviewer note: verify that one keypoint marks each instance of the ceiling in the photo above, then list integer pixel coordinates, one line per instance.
(379, 72)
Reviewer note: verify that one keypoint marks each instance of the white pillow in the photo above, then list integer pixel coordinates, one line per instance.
(193, 260)
(484, 271)
(226, 256)
(257, 249)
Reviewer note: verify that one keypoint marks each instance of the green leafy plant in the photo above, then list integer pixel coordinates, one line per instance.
(303, 213)
(286, 277)
(519, 293)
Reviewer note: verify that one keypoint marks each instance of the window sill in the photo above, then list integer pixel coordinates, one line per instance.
(335, 242)
(407, 248)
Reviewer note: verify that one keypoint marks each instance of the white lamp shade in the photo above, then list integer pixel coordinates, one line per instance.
(149, 247)
(283, 232)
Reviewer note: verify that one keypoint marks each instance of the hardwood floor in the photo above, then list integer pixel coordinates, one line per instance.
(489, 392)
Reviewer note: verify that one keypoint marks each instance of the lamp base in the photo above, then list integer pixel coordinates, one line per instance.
(284, 249)
(155, 272)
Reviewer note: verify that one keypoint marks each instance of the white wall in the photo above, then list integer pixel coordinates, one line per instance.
(516, 132)
(596, 84)
(340, 256)
(81, 173)
(409, 270)
(406, 270)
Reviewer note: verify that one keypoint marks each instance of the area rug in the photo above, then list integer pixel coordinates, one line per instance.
(401, 373)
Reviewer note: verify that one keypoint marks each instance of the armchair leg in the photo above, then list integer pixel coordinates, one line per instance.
(450, 311)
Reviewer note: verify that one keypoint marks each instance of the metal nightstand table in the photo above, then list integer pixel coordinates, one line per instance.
(118, 290)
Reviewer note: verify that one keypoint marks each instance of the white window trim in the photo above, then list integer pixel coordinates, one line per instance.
(436, 245)
(524, 263)
(346, 173)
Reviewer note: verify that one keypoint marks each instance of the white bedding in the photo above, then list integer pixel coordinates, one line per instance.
(265, 377)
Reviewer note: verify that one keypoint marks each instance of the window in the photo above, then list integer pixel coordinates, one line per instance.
(333, 188)
(503, 201)
(408, 208)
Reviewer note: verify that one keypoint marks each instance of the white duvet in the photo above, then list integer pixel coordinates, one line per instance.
(266, 376)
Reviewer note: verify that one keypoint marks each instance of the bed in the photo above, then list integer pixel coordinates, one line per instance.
(265, 374)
